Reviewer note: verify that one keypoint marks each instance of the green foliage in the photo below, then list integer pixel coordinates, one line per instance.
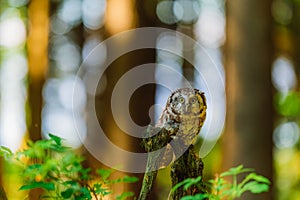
(288, 104)
(55, 168)
(5, 152)
(187, 183)
(220, 188)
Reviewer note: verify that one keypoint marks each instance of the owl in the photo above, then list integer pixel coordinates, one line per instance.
(183, 118)
(186, 109)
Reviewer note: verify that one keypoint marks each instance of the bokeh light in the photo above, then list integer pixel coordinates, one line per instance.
(286, 135)
(164, 11)
(211, 27)
(67, 55)
(65, 94)
(98, 58)
(62, 123)
(70, 12)
(58, 115)
(13, 71)
(58, 26)
(173, 44)
(167, 60)
(50, 91)
(283, 75)
(12, 30)
(13, 96)
(17, 3)
(282, 12)
(93, 13)
(186, 11)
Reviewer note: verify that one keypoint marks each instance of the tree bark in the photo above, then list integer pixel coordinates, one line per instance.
(154, 141)
(38, 62)
(189, 165)
(248, 135)
(2, 193)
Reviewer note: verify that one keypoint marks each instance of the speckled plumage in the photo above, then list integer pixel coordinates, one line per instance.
(187, 108)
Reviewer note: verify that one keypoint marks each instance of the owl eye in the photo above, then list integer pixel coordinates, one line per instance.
(181, 100)
(193, 100)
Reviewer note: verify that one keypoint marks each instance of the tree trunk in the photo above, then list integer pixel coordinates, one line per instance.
(248, 136)
(38, 62)
(189, 165)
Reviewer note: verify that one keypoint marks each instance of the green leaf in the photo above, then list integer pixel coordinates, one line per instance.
(193, 181)
(42, 144)
(259, 178)
(129, 179)
(104, 173)
(5, 152)
(101, 190)
(67, 193)
(125, 195)
(43, 185)
(59, 148)
(56, 139)
(85, 173)
(125, 179)
(34, 152)
(220, 184)
(51, 165)
(255, 187)
(235, 171)
(178, 185)
(34, 166)
(70, 183)
(189, 197)
(196, 197)
(98, 188)
(85, 193)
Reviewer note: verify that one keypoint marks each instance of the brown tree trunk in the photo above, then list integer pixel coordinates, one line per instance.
(38, 62)
(248, 135)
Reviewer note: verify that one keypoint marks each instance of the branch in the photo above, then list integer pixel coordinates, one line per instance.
(151, 143)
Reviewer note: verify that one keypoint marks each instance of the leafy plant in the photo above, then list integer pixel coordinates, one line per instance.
(220, 188)
(55, 168)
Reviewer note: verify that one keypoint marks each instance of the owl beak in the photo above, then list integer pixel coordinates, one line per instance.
(186, 109)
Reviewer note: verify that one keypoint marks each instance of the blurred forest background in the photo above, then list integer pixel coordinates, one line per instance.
(254, 44)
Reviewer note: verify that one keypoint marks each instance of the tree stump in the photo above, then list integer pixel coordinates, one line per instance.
(156, 139)
(189, 165)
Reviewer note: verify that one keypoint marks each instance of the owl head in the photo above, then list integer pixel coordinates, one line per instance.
(187, 102)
